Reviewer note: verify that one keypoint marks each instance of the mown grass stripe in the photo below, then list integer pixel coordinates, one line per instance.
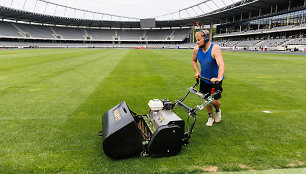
(45, 92)
(30, 53)
(38, 59)
(35, 74)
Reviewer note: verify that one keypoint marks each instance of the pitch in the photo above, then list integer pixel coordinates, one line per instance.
(52, 100)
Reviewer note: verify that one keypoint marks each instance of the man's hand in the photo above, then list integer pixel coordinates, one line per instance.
(197, 75)
(214, 80)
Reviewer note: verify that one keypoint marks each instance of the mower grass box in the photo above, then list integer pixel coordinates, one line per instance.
(121, 136)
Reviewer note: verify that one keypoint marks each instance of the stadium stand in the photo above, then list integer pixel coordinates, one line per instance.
(297, 41)
(8, 30)
(247, 43)
(180, 34)
(70, 33)
(102, 35)
(36, 31)
(159, 35)
(273, 42)
(247, 25)
(130, 35)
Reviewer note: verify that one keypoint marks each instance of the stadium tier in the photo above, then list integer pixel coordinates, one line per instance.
(244, 25)
(130, 35)
(297, 41)
(103, 35)
(8, 30)
(34, 31)
(19, 30)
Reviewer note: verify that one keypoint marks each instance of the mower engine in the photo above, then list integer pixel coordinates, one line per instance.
(166, 129)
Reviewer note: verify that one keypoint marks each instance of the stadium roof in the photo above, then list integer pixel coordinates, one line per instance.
(215, 17)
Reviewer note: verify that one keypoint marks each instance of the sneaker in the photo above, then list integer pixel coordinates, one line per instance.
(218, 116)
(210, 121)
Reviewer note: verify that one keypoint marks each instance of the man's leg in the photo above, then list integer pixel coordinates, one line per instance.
(210, 120)
(217, 104)
(204, 89)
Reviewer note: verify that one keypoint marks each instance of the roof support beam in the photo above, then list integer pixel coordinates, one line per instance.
(215, 4)
(276, 8)
(45, 8)
(77, 9)
(11, 3)
(65, 11)
(188, 13)
(223, 2)
(192, 9)
(208, 6)
(35, 6)
(203, 11)
(24, 4)
(210, 32)
(55, 10)
(74, 13)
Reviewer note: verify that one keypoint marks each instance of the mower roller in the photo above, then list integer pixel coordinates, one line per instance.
(160, 133)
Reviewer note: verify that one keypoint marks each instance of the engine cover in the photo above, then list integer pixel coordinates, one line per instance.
(168, 135)
(165, 117)
(166, 141)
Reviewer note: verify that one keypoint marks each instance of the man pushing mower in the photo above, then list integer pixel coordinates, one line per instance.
(162, 132)
(212, 66)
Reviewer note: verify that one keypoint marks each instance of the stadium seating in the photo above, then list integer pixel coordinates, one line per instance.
(49, 36)
(180, 34)
(272, 42)
(130, 35)
(258, 31)
(158, 35)
(247, 43)
(8, 30)
(102, 35)
(70, 33)
(297, 41)
(231, 43)
(36, 31)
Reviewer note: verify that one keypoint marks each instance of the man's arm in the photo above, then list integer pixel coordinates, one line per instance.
(217, 55)
(194, 62)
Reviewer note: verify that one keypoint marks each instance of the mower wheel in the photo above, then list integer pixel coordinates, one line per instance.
(144, 154)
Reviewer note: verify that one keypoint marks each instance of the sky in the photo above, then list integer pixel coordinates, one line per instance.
(129, 8)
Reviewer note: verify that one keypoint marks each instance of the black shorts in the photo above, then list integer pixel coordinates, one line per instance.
(206, 88)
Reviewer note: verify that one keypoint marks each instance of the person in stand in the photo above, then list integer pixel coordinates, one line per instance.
(212, 66)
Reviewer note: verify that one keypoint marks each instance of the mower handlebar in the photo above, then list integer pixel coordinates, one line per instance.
(204, 78)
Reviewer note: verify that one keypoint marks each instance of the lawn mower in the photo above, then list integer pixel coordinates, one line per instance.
(160, 133)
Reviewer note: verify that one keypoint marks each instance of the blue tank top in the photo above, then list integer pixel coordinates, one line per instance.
(209, 66)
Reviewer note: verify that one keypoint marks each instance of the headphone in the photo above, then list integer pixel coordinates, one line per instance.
(207, 38)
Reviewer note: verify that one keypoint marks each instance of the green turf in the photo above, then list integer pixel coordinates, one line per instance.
(52, 100)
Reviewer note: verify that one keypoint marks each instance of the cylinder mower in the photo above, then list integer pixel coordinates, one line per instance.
(158, 134)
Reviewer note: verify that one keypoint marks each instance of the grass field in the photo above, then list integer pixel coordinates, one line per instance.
(52, 100)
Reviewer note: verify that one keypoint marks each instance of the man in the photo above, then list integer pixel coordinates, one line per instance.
(212, 66)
